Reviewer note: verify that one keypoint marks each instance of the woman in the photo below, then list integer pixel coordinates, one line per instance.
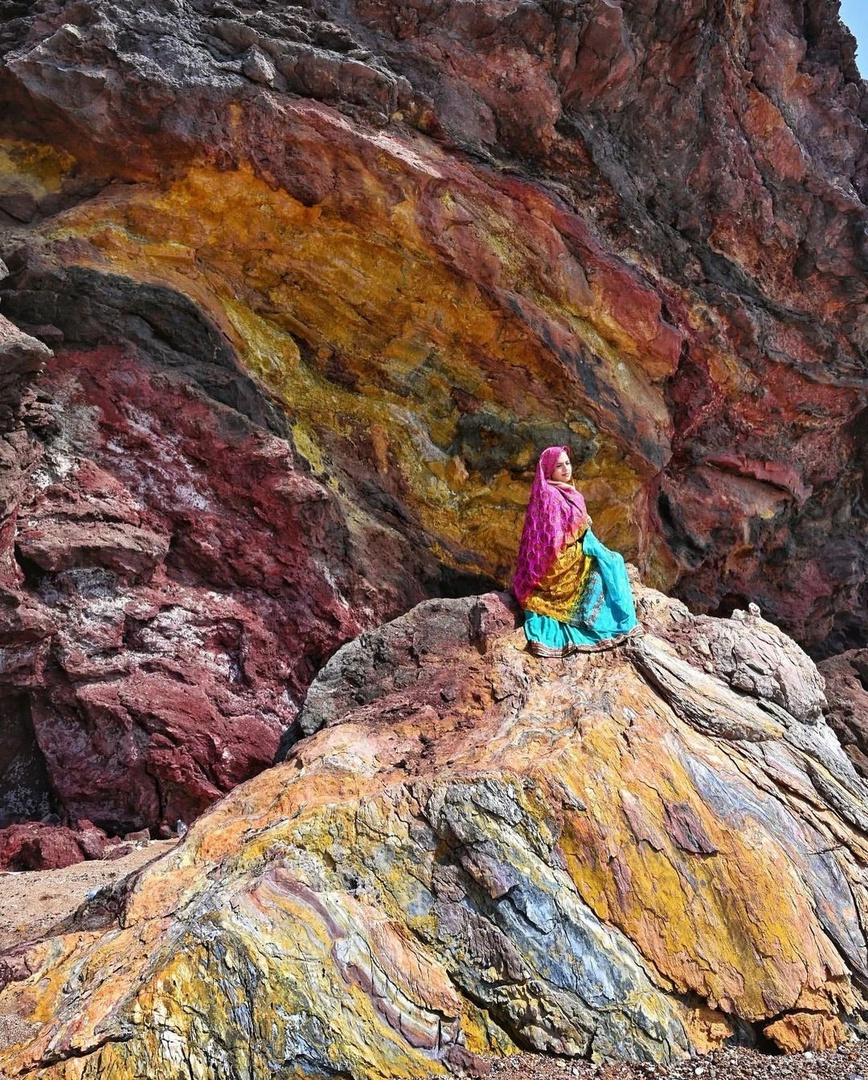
(574, 591)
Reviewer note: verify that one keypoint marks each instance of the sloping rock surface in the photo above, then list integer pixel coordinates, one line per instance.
(645, 852)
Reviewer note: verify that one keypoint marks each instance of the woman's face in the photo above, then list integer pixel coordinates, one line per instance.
(563, 471)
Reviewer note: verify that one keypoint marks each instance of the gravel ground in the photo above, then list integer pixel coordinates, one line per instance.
(850, 1062)
(32, 903)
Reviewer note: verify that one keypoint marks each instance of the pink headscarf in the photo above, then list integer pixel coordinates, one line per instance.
(553, 518)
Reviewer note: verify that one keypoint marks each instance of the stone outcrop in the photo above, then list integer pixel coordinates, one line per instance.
(177, 579)
(307, 289)
(424, 240)
(36, 845)
(645, 852)
(292, 298)
(846, 679)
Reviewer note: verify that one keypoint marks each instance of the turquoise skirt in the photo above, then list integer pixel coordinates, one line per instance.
(605, 614)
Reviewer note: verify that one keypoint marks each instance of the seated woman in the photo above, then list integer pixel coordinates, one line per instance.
(574, 591)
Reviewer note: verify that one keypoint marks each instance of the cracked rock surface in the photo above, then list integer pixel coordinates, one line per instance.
(306, 288)
(423, 240)
(469, 851)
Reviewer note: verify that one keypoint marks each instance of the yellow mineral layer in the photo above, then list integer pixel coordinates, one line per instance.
(553, 858)
(413, 318)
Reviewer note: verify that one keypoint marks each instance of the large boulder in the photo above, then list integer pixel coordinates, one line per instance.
(36, 845)
(468, 849)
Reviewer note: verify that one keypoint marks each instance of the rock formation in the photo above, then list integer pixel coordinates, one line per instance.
(320, 280)
(846, 679)
(175, 584)
(645, 852)
(443, 235)
(38, 845)
(293, 296)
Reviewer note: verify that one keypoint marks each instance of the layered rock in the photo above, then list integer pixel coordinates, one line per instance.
(24, 788)
(172, 573)
(846, 678)
(178, 578)
(445, 235)
(645, 852)
(320, 282)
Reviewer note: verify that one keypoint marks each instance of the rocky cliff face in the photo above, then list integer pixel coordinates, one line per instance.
(176, 581)
(320, 280)
(644, 853)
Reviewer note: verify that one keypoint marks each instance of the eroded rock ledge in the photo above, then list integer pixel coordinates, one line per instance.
(645, 852)
(320, 281)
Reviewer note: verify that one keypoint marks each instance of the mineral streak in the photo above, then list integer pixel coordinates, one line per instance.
(442, 235)
(473, 850)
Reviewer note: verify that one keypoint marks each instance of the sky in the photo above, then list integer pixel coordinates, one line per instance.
(855, 14)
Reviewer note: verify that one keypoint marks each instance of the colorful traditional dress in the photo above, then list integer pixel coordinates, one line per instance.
(575, 591)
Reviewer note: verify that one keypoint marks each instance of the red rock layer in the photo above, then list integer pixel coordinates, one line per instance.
(177, 581)
(847, 689)
(683, 189)
(321, 281)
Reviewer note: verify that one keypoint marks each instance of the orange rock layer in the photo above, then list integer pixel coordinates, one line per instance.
(442, 239)
(620, 855)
